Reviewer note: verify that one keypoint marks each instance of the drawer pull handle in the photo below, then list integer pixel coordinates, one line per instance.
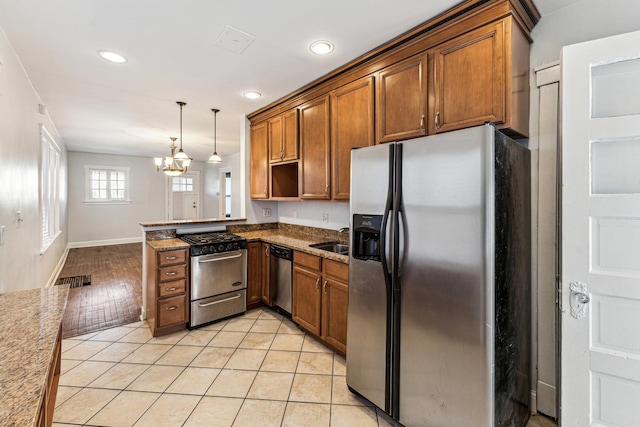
(422, 123)
(221, 301)
(324, 287)
(173, 307)
(170, 258)
(318, 284)
(171, 273)
(170, 289)
(438, 120)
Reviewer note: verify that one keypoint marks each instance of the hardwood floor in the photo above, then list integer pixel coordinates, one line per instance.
(114, 297)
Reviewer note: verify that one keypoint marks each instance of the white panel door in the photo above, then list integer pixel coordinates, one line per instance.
(184, 196)
(600, 349)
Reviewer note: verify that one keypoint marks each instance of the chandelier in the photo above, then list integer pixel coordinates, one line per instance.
(215, 158)
(177, 163)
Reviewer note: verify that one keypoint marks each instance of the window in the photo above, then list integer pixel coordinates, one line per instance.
(227, 194)
(107, 184)
(49, 188)
(182, 184)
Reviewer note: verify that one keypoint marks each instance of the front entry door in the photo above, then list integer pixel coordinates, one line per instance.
(600, 314)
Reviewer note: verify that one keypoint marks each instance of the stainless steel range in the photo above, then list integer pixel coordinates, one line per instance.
(218, 276)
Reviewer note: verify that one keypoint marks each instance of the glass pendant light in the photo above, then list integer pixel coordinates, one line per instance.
(215, 158)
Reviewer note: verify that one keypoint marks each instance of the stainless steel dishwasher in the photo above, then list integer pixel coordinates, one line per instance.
(281, 272)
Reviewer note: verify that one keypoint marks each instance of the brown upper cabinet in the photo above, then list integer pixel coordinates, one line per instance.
(402, 100)
(283, 137)
(315, 171)
(462, 68)
(259, 162)
(351, 127)
(477, 79)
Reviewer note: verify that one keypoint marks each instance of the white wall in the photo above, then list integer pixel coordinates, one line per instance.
(581, 21)
(95, 224)
(21, 264)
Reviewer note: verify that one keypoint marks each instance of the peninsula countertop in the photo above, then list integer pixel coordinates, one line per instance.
(31, 323)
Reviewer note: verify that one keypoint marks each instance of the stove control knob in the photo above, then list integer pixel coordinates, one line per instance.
(221, 248)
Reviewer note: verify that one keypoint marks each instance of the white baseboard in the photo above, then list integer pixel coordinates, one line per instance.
(58, 269)
(533, 406)
(91, 243)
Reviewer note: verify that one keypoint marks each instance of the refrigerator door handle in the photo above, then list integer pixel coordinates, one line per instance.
(386, 216)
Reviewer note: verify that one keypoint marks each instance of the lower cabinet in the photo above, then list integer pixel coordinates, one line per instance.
(45, 417)
(268, 284)
(167, 290)
(320, 298)
(254, 274)
(259, 283)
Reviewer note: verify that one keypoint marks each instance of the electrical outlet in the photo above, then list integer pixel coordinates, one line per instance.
(266, 212)
(325, 217)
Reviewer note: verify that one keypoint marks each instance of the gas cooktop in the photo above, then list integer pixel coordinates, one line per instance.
(214, 242)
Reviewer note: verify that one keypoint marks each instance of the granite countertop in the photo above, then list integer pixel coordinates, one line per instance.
(167, 244)
(297, 242)
(31, 322)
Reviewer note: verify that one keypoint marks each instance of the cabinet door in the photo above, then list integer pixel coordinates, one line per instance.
(469, 80)
(402, 95)
(268, 284)
(276, 152)
(315, 149)
(290, 135)
(351, 127)
(306, 299)
(259, 162)
(335, 297)
(254, 272)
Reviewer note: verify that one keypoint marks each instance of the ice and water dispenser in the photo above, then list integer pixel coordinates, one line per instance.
(366, 237)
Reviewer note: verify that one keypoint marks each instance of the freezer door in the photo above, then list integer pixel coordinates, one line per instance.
(445, 322)
(367, 314)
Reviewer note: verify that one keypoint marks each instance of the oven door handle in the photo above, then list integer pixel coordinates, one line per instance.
(219, 259)
(221, 301)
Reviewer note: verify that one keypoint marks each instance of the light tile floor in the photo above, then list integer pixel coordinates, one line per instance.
(256, 370)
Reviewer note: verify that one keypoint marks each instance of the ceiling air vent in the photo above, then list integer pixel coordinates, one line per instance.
(234, 40)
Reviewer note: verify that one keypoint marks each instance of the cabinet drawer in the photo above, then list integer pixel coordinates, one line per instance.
(172, 310)
(336, 270)
(306, 260)
(168, 289)
(179, 256)
(176, 272)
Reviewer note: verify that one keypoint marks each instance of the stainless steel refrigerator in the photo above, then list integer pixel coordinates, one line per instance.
(439, 329)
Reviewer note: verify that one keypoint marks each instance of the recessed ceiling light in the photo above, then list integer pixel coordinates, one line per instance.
(112, 56)
(322, 47)
(252, 94)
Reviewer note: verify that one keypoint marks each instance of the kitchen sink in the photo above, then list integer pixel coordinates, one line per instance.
(336, 247)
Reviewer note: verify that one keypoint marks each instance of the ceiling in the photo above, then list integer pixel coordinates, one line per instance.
(130, 108)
